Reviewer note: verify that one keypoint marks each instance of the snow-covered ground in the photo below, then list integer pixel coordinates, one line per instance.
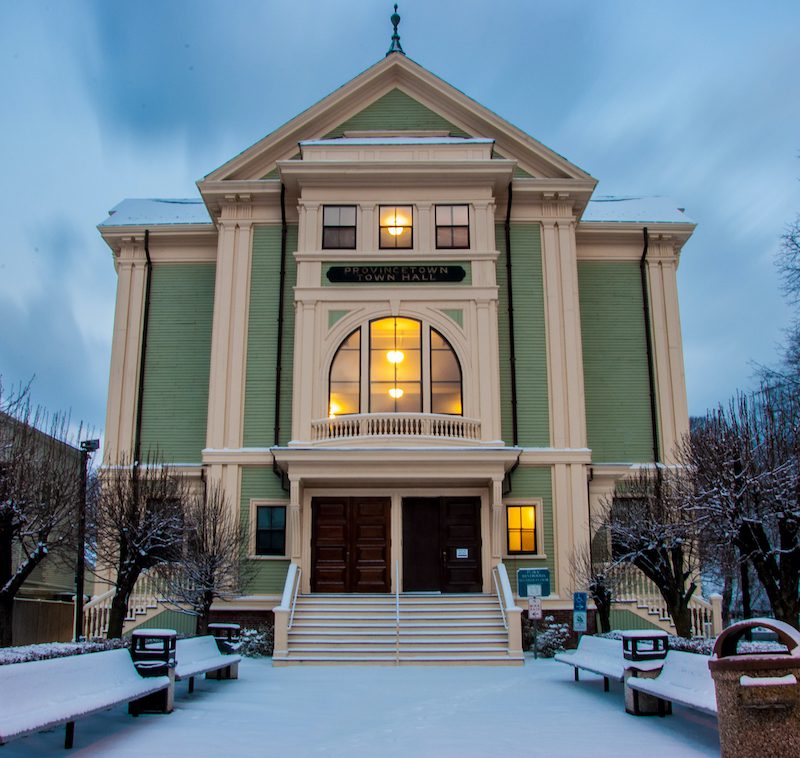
(535, 710)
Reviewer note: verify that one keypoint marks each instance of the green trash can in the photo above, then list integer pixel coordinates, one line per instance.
(758, 695)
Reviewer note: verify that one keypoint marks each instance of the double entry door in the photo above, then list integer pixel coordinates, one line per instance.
(442, 544)
(350, 544)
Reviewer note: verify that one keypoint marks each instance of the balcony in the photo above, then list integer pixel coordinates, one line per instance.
(406, 426)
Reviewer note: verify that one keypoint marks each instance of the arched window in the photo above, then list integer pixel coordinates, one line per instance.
(409, 367)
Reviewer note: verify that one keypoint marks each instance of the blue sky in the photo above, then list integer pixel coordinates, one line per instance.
(107, 100)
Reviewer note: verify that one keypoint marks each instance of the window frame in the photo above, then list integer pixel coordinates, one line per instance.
(354, 227)
(360, 330)
(255, 504)
(437, 226)
(538, 505)
(368, 388)
(410, 226)
(431, 382)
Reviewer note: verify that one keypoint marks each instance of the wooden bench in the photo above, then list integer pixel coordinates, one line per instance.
(684, 679)
(599, 655)
(41, 695)
(200, 655)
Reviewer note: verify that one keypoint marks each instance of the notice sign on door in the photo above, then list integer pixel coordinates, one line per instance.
(462, 552)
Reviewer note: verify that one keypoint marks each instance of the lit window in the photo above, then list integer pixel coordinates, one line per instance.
(345, 379)
(271, 530)
(396, 226)
(521, 528)
(395, 366)
(452, 226)
(339, 227)
(403, 377)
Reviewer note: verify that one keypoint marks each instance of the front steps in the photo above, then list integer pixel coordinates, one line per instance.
(363, 629)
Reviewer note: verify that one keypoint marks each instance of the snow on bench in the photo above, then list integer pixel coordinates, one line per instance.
(200, 655)
(599, 655)
(39, 695)
(685, 679)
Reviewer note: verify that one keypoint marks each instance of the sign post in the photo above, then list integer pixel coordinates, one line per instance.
(535, 612)
(580, 601)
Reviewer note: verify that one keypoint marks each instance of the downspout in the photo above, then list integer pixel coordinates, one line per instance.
(137, 439)
(649, 345)
(512, 355)
(279, 349)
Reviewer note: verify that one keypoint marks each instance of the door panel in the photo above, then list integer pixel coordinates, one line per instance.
(421, 554)
(350, 541)
(442, 544)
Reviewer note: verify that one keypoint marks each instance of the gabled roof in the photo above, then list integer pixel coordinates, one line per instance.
(610, 208)
(155, 211)
(392, 89)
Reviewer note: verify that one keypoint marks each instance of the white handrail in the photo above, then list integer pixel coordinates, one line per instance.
(294, 596)
(497, 590)
(397, 609)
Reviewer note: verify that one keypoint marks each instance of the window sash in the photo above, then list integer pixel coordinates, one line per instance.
(521, 529)
(452, 227)
(270, 530)
(339, 227)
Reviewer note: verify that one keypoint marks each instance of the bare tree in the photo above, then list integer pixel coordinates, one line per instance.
(212, 564)
(138, 524)
(651, 529)
(39, 491)
(600, 577)
(745, 463)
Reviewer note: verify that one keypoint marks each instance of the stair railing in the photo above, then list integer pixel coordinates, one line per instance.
(498, 592)
(295, 585)
(509, 609)
(397, 611)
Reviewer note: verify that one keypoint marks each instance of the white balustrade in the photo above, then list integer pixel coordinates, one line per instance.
(430, 425)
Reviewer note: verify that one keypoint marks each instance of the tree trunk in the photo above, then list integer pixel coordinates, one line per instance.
(6, 621)
(682, 618)
(119, 603)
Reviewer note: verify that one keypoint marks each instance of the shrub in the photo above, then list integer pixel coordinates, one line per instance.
(257, 643)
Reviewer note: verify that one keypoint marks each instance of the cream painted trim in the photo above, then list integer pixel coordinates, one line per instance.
(548, 456)
(538, 504)
(377, 256)
(247, 603)
(252, 523)
(242, 456)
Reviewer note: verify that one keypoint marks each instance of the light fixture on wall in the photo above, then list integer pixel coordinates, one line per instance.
(395, 356)
(396, 393)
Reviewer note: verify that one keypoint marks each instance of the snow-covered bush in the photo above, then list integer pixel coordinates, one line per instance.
(704, 646)
(552, 637)
(257, 643)
(47, 650)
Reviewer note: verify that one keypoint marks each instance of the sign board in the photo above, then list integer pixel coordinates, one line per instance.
(579, 621)
(580, 601)
(462, 552)
(534, 607)
(537, 580)
(396, 274)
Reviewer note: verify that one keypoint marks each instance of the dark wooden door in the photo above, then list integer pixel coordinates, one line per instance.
(442, 544)
(350, 543)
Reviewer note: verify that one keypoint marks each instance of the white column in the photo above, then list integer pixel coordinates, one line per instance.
(498, 521)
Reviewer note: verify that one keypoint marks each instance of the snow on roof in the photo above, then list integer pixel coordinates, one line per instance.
(396, 141)
(635, 209)
(155, 211)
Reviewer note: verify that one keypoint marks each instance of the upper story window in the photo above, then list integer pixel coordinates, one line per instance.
(452, 226)
(339, 227)
(396, 226)
(410, 368)
(522, 529)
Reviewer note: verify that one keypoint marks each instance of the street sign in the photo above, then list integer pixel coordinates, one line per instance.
(537, 579)
(534, 608)
(579, 621)
(580, 601)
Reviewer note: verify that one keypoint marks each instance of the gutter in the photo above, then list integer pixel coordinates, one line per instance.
(512, 356)
(279, 349)
(649, 345)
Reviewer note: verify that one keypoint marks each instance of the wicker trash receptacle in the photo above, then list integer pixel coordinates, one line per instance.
(758, 695)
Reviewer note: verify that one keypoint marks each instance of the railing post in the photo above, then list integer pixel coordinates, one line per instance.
(716, 614)
(281, 648)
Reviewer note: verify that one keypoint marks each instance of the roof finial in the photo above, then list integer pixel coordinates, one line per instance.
(395, 47)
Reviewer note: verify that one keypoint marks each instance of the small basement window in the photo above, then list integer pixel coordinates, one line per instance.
(521, 529)
(339, 227)
(271, 530)
(452, 227)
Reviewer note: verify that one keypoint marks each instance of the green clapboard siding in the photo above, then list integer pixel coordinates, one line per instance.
(622, 619)
(615, 362)
(262, 338)
(396, 111)
(533, 418)
(177, 361)
(535, 482)
(182, 623)
(269, 575)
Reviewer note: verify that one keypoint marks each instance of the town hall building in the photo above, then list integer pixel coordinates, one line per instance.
(413, 347)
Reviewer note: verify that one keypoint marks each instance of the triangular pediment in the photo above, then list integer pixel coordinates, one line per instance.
(397, 94)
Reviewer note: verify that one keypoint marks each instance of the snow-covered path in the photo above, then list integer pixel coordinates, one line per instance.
(535, 710)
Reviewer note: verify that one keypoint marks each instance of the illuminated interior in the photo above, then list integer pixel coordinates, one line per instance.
(396, 364)
(396, 226)
(521, 528)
